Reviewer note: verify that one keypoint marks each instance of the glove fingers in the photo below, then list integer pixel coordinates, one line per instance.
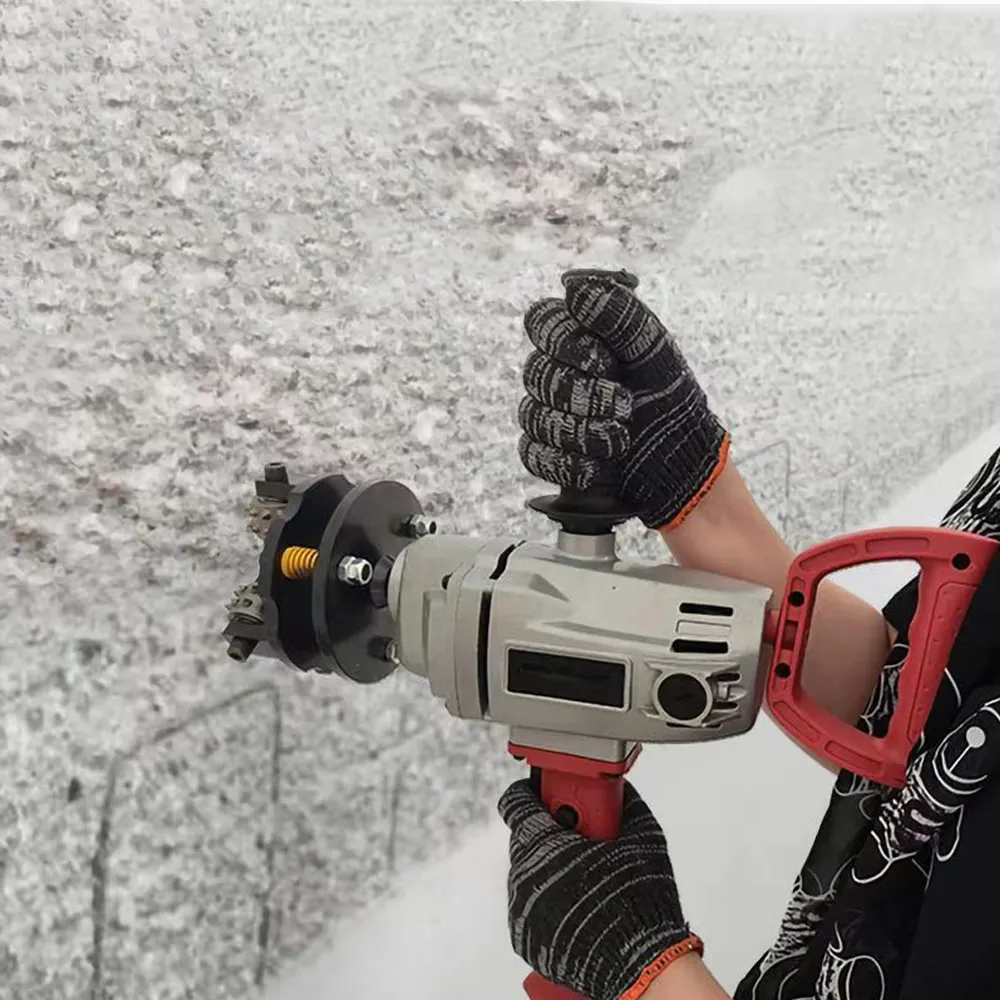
(606, 440)
(561, 387)
(617, 316)
(519, 804)
(630, 796)
(625, 278)
(552, 330)
(530, 823)
(637, 817)
(565, 469)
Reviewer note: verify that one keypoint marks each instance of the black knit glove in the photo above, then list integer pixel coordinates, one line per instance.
(601, 919)
(611, 401)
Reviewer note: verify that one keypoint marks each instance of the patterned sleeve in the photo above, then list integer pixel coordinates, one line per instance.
(953, 952)
(901, 607)
(976, 510)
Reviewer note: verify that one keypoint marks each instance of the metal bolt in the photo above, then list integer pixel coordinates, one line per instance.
(275, 472)
(241, 648)
(355, 571)
(384, 649)
(419, 526)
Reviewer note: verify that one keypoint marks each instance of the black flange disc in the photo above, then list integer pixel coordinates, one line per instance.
(589, 513)
(350, 630)
(287, 604)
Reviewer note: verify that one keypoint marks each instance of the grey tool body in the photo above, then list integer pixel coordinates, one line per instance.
(573, 649)
(571, 642)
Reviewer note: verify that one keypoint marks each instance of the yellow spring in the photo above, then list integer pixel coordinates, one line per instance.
(298, 562)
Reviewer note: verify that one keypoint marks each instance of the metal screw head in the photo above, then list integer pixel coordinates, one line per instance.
(355, 571)
(419, 526)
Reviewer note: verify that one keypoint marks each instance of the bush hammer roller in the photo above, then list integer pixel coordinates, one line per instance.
(583, 656)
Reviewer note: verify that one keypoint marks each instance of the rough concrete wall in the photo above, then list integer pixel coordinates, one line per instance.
(235, 231)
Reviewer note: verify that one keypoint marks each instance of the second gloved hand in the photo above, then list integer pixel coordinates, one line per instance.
(601, 918)
(612, 402)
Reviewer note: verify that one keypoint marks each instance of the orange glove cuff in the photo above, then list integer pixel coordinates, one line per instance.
(692, 943)
(705, 487)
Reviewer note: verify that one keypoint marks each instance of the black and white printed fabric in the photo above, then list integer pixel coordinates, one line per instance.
(899, 897)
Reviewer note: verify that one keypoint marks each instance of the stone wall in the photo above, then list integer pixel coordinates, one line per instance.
(234, 232)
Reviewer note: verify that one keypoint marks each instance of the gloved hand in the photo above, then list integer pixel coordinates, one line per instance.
(601, 919)
(611, 402)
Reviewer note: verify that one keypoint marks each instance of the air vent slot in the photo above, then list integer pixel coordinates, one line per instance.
(501, 565)
(711, 610)
(728, 677)
(703, 646)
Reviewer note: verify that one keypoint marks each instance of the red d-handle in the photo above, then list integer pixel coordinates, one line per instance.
(952, 564)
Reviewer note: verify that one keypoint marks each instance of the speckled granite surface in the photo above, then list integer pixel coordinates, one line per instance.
(233, 232)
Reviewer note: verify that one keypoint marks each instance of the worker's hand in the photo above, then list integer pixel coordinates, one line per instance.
(601, 919)
(611, 401)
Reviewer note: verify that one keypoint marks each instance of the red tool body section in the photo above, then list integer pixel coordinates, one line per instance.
(587, 795)
(541, 989)
(952, 564)
(591, 789)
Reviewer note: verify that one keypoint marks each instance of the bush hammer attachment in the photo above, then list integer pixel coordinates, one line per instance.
(321, 589)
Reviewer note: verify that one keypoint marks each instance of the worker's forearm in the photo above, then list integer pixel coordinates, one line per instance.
(727, 533)
(687, 978)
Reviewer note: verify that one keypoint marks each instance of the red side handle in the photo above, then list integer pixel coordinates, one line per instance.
(583, 795)
(952, 564)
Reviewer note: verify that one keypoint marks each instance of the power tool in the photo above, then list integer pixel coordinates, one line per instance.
(582, 655)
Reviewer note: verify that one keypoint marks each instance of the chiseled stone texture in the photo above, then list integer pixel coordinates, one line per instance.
(234, 232)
